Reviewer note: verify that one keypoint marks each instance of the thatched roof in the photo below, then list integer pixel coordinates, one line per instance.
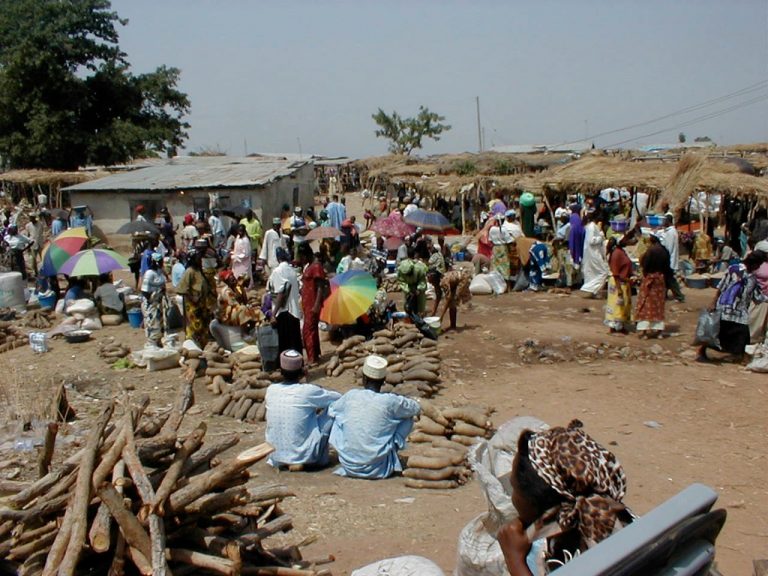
(593, 173)
(48, 177)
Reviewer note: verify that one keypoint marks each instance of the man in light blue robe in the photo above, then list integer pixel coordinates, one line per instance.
(298, 424)
(369, 426)
(337, 212)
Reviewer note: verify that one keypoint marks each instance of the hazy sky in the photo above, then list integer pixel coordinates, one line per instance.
(276, 73)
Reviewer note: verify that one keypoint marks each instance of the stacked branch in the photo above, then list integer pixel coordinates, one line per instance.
(414, 361)
(140, 498)
(38, 319)
(436, 457)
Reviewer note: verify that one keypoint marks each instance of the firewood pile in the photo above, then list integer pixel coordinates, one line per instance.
(436, 457)
(11, 336)
(141, 498)
(414, 361)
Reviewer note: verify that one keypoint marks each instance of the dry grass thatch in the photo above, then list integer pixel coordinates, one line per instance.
(683, 181)
(47, 177)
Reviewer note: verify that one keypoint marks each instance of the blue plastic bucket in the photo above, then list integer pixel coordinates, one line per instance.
(135, 318)
(47, 301)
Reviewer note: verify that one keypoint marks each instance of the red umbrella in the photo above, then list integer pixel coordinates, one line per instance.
(392, 225)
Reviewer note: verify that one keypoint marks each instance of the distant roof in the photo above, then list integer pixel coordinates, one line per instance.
(676, 146)
(189, 172)
(582, 146)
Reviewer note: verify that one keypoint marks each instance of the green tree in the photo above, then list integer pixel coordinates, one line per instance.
(405, 134)
(67, 96)
(681, 138)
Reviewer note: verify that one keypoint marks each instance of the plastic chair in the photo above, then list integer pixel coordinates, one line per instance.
(676, 538)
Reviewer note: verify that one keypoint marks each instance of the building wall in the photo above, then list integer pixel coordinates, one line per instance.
(112, 209)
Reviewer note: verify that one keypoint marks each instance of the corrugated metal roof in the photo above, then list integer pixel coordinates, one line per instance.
(189, 172)
(538, 148)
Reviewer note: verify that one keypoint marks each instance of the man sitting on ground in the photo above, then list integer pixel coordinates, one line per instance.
(370, 426)
(297, 420)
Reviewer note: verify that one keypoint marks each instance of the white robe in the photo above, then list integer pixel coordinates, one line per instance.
(594, 265)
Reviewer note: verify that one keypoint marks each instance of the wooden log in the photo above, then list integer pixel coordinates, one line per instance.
(184, 401)
(40, 486)
(152, 426)
(280, 524)
(67, 547)
(203, 483)
(280, 571)
(261, 412)
(203, 456)
(46, 454)
(26, 535)
(210, 504)
(156, 560)
(190, 445)
(12, 486)
(201, 561)
(130, 527)
(23, 551)
(150, 449)
(252, 411)
(99, 534)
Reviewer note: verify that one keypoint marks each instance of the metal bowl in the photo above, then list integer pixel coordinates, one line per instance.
(78, 336)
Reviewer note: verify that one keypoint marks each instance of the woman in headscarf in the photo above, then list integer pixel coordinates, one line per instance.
(618, 309)
(152, 300)
(594, 266)
(651, 295)
(241, 254)
(736, 291)
(199, 300)
(568, 492)
(500, 239)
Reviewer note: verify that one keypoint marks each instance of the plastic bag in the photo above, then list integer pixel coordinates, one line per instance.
(759, 361)
(480, 285)
(478, 551)
(173, 318)
(496, 282)
(708, 329)
(400, 566)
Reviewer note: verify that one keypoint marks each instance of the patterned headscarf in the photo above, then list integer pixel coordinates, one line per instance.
(587, 475)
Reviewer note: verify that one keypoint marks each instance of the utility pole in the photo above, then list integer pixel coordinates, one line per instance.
(298, 141)
(479, 131)
(245, 146)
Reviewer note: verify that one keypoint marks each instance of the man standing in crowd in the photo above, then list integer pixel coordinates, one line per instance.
(283, 286)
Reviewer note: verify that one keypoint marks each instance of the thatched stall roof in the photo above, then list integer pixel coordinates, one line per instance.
(594, 173)
(48, 177)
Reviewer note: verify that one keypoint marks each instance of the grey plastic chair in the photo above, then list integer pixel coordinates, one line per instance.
(676, 538)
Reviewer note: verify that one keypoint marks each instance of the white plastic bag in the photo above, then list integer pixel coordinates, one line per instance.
(83, 306)
(496, 282)
(759, 361)
(400, 566)
(478, 551)
(480, 286)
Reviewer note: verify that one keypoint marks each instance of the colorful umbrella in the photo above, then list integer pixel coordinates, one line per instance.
(322, 232)
(428, 220)
(352, 293)
(61, 249)
(93, 262)
(392, 225)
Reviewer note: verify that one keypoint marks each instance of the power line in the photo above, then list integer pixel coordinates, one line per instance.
(696, 120)
(741, 92)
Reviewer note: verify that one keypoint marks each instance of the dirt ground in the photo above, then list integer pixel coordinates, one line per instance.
(706, 422)
(669, 420)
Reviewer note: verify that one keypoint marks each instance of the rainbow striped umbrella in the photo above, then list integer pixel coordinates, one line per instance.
(352, 293)
(61, 249)
(93, 262)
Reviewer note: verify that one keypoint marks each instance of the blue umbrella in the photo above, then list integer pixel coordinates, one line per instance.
(428, 220)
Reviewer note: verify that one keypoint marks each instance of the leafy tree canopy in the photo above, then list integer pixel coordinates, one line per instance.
(67, 96)
(405, 134)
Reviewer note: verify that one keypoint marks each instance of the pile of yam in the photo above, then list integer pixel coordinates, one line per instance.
(111, 350)
(38, 319)
(437, 447)
(10, 336)
(141, 498)
(239, 382)
(414, 361)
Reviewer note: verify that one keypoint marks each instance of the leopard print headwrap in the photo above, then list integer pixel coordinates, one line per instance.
(587, 475)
